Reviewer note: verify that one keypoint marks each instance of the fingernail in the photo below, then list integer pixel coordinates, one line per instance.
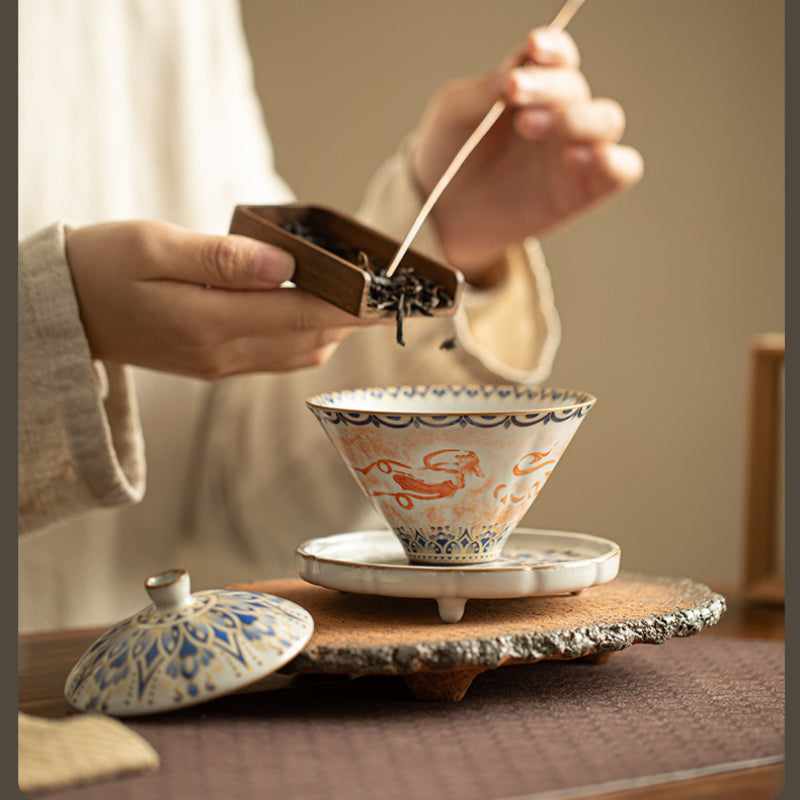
(526, 84)
(271, 265)
(580, 155)
(536, 121)
(546, 44)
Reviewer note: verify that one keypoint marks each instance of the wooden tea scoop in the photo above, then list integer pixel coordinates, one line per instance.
(568, 11)
(326, 274)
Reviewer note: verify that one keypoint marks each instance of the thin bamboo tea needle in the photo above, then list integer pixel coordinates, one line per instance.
(567, 12)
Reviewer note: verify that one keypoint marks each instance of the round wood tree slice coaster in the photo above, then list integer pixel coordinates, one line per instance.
(357, 634)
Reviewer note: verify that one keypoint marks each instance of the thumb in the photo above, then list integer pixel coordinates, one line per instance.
(232, 262)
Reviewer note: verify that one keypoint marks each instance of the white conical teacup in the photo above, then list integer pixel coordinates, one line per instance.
(451, 468)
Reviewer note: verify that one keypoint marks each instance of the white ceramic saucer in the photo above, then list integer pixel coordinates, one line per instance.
(534, 562)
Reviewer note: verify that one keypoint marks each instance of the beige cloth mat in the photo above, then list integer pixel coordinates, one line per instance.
(57, 753)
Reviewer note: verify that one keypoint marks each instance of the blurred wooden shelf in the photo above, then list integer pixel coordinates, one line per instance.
(749, 616)
(764, 467)
(768, 590)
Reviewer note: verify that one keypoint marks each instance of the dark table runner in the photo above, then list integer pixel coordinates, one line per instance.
(697, 704)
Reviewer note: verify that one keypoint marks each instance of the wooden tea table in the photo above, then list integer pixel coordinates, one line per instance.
(360, 635)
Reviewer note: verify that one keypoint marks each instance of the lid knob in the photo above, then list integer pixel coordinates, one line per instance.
(169, 590)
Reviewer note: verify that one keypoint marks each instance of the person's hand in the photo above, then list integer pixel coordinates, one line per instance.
(159, 296)
(552, 154)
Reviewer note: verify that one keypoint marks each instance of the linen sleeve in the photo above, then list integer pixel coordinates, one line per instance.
(511, 330)
(80, 443)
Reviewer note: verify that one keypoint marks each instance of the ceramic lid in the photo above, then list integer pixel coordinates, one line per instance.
(185, 648)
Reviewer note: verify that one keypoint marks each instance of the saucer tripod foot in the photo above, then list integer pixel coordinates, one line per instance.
(451, 609)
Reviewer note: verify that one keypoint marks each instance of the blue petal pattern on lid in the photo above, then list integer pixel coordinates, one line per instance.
(160, 660)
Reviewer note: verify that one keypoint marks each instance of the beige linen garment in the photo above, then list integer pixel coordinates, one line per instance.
(59, 753)
(146, 109)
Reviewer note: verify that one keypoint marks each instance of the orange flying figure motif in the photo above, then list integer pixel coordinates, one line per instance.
(418, 483)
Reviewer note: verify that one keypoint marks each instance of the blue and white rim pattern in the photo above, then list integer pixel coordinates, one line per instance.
(565, 404)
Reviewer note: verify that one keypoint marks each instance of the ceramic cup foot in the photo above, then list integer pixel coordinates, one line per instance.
(468, 560)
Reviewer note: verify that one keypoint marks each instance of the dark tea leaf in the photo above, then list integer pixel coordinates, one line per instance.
(405, 292)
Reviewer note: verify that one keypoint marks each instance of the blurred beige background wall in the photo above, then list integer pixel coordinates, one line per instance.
(659, 292)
